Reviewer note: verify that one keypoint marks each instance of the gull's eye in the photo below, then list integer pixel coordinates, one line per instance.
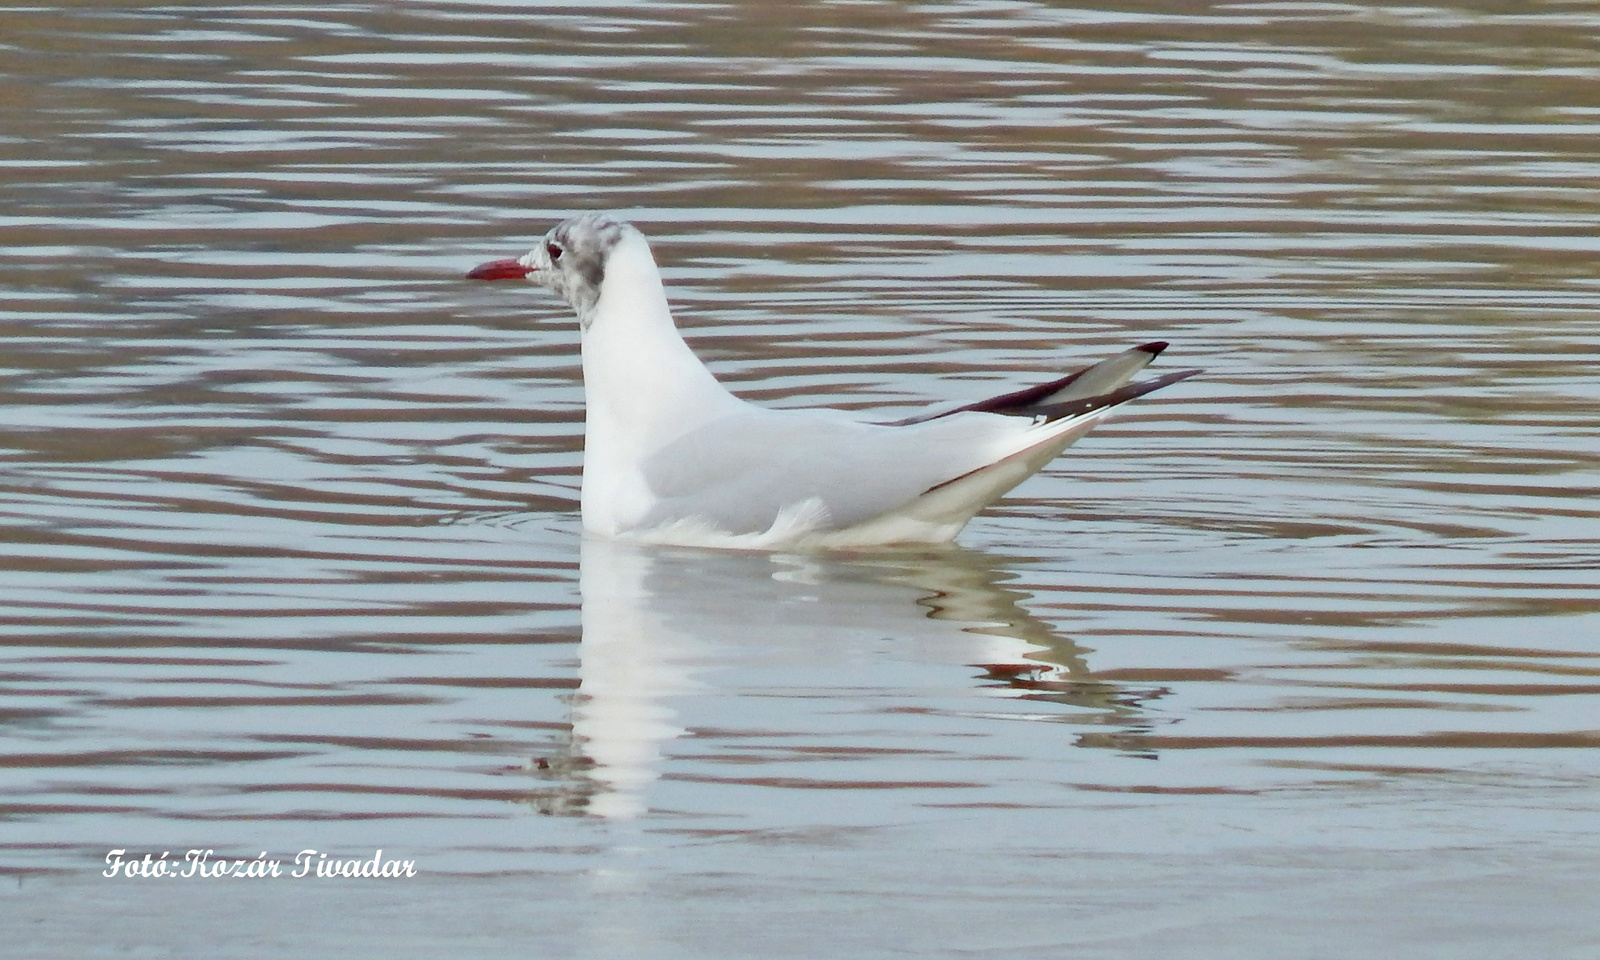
(554, 251)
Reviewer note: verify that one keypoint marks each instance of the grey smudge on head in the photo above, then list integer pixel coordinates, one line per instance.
(572, 258)
(588, 240)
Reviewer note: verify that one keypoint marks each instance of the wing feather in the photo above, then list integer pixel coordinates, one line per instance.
(740, 473)
(1091, 381)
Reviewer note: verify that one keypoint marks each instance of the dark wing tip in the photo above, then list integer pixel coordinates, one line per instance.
(1025, 402)
(1121, 395)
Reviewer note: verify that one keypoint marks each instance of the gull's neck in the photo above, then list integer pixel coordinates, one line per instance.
(643, 386)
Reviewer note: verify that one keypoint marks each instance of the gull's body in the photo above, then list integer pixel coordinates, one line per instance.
(670, 456)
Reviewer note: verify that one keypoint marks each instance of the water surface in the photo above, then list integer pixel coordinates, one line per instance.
(1296, 658)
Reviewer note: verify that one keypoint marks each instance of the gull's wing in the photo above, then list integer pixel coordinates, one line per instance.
(1091, 381)
(739, 473)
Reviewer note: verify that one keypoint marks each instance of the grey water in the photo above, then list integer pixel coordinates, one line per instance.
(1297, 658)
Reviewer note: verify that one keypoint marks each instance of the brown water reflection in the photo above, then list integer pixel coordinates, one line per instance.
(288, 549)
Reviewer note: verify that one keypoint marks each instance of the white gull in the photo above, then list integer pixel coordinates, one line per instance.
(671, 457)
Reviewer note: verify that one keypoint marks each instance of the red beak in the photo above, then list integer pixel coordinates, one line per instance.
(499, 270)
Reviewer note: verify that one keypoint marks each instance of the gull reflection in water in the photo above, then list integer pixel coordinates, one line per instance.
(662, 624)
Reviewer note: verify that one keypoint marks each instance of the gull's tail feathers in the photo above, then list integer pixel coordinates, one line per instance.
(1063, 416)
(1061, 423)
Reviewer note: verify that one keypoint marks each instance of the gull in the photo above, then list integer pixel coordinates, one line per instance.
(672, 457)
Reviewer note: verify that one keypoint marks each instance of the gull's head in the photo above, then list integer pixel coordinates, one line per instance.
(571, 260)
